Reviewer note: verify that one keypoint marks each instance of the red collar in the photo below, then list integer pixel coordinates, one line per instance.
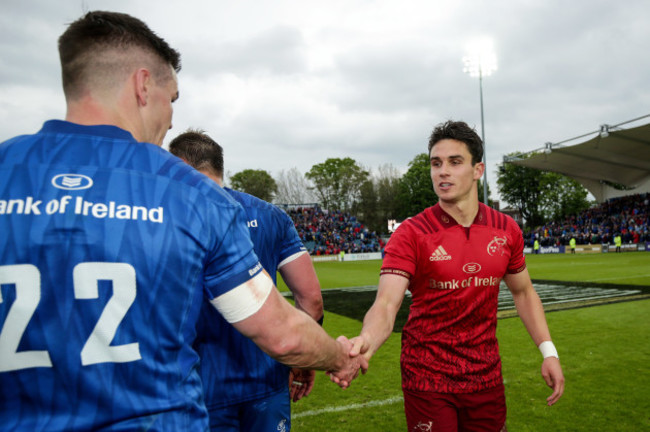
(448, 221)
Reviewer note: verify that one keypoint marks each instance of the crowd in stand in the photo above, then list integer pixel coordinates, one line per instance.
(627, 216)
(330, 232)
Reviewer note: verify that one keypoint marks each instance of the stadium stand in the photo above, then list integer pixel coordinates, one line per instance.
(628, 215)
(326, 232)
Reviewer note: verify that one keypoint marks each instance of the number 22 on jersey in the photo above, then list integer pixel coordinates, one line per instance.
(26, 278)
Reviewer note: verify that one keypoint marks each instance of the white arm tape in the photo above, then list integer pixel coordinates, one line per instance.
(243, 301)
(548, 349)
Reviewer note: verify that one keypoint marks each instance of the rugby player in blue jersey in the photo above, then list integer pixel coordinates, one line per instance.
(245, 389)
(109, 245)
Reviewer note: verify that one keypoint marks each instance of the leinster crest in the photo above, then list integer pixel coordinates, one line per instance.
(496, 246)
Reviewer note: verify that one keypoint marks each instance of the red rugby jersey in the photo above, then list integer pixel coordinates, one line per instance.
(449, 342)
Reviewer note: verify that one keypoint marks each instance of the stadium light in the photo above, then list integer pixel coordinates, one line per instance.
(481, 61)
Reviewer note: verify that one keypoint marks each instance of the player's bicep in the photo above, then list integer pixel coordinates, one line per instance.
(300, 276)
(518, 283)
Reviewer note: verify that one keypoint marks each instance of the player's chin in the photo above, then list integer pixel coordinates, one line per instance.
(443, 190)
(445, 195)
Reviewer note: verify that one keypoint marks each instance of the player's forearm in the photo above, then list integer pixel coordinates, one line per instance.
(529, 306)
(380, 319)
(292, 337)
(313, 348)
(530, 310)
(377, 327)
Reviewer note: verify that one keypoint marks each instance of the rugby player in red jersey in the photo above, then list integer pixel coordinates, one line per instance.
(452, 257)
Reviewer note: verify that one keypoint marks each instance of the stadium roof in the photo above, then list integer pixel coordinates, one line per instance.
(612, 154)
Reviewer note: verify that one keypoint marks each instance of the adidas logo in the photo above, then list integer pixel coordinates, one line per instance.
(440, 254)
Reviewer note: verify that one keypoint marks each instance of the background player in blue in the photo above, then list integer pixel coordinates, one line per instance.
(106, 241)
(245, 389)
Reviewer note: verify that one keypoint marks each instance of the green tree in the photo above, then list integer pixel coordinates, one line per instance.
(540, 195)
(387, 184)
(564, 197)
(337, 182)
(415, 191)
(521, 187)
(258, 183)
(365, 208)
(479, 186)
(378, 199)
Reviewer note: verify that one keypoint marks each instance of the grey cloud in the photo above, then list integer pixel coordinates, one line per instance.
(276, 51)
(387, 80)
(564, 68)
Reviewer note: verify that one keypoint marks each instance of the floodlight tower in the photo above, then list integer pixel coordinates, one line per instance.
(481, 61)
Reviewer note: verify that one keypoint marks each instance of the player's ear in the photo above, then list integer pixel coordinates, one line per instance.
(479, 168)
(142, 81)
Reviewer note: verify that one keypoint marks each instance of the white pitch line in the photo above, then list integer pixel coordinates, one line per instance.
(348, 407)
(621, 277)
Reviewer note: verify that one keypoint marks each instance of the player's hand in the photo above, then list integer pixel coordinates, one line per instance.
(301, 382)
(350, 370)
(360, 346)
(554, 378)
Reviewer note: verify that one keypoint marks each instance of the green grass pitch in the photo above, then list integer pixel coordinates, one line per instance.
(604, 349)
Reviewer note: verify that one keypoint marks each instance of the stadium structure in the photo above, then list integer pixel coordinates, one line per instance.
(609, 158)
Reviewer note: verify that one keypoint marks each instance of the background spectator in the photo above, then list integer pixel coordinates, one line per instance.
(330, 232)
(627, 215)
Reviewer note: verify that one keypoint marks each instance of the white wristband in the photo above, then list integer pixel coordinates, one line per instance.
(548, 349)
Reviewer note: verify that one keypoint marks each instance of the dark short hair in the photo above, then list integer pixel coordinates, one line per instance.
(101, 30)
(199, 150)
(459, 131)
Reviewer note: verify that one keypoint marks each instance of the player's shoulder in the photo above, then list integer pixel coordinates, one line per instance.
(11, 141)
(423, 223)
(497, 219)
(244, 198)
(12, 150)
(16, 145)
(195, 186)
(252, 202)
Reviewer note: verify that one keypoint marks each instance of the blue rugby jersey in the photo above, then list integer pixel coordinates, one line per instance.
(106, 243)
(233, 368)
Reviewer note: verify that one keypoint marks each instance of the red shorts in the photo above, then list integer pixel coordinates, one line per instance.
(447, 412)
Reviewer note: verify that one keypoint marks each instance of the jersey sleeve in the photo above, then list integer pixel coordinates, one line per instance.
(400, 253)
(232, 260)
(291, 246)
(517, 262)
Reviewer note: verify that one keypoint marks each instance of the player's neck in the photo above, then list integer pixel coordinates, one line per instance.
(464, 212)
(98, 109)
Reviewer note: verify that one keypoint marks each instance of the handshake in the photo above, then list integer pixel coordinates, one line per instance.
(354, 358)
(357, 360)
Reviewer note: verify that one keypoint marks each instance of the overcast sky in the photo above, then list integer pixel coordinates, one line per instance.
(288, 83)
